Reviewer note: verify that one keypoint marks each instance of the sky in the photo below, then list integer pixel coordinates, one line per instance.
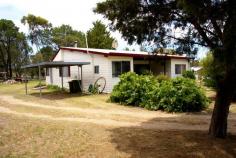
(77, 13)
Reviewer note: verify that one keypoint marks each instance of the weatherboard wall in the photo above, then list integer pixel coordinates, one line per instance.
(88, 75)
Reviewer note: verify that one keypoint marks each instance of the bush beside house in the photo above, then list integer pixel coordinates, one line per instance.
(159, 93)
(189, 74)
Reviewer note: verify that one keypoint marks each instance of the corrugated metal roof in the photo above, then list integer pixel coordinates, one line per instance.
(109, 52)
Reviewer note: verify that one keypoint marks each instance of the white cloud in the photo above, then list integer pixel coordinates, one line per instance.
(77, 13)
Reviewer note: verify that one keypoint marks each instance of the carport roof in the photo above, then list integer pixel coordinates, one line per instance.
(55, 64)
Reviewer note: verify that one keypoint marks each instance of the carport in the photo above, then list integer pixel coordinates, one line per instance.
(54, 64)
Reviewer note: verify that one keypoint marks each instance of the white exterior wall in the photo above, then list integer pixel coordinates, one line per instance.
(88, 76)
(178, 61)
(53, 77)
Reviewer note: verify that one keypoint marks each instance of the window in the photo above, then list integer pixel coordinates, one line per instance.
(47, 71)
(179, 68)
(96, 69)
(120, 67)
(66, 71)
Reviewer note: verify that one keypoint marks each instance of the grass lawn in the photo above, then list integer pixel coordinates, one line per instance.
(63, 125)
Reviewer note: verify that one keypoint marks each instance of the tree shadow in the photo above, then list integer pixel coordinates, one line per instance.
(141, 142)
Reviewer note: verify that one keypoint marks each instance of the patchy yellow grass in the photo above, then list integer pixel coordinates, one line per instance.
(33, 137)
(21, 137)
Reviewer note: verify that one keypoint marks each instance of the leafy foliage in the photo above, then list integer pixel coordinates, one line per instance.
(14, 49)
(39, 30)
(161, 78)
(65, 36)
(213, 71)
(47, 53)
(132, 89)
(181, 95)
(189, 74)
(99, 37)
(93, 89)
(171, 95)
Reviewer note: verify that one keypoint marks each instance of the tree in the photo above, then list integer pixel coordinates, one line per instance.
(99, 37)
(39, 30)
(209, 70)
(13, 45)
(65, 36)
(208, 23)
(8, 34)
(21, 51)
(47, 53)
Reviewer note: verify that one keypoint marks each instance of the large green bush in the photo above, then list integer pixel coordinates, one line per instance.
(161, 78)
(133, 89)
(181, 95)
(172, 95)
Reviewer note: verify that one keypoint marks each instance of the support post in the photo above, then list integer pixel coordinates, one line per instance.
(26, 88)
(40, 86)
(81, 72)
(62, 86)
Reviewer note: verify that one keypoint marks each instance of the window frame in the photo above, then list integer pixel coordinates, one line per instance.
(96, 69)
(115, 75)
(183, 68)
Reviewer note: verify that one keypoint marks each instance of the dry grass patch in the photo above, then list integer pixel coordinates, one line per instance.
(21, 137)
(35, 137)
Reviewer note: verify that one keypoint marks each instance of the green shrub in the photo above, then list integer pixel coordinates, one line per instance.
(171, 95)
(133, 89)
(181, 95)
(161, 78)
(93, 89)
(189, 74)
(53, 87)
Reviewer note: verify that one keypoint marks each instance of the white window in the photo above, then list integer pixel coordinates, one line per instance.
(180, 68)
(120, 67)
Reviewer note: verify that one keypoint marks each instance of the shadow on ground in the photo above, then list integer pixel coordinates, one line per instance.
(57, 95)
(142, 143)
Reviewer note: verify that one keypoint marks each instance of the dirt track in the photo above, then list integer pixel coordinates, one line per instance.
(88, 126)
(154, 120)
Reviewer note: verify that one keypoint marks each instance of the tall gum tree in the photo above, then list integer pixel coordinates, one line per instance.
(13, 45)
(208, 23)
(39, 30)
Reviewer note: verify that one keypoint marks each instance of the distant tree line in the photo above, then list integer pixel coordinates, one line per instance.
(16, 47)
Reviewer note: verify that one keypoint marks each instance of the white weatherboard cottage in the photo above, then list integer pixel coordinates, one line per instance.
(110, 64)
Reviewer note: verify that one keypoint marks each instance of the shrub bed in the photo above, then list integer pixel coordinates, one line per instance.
(171, 95)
